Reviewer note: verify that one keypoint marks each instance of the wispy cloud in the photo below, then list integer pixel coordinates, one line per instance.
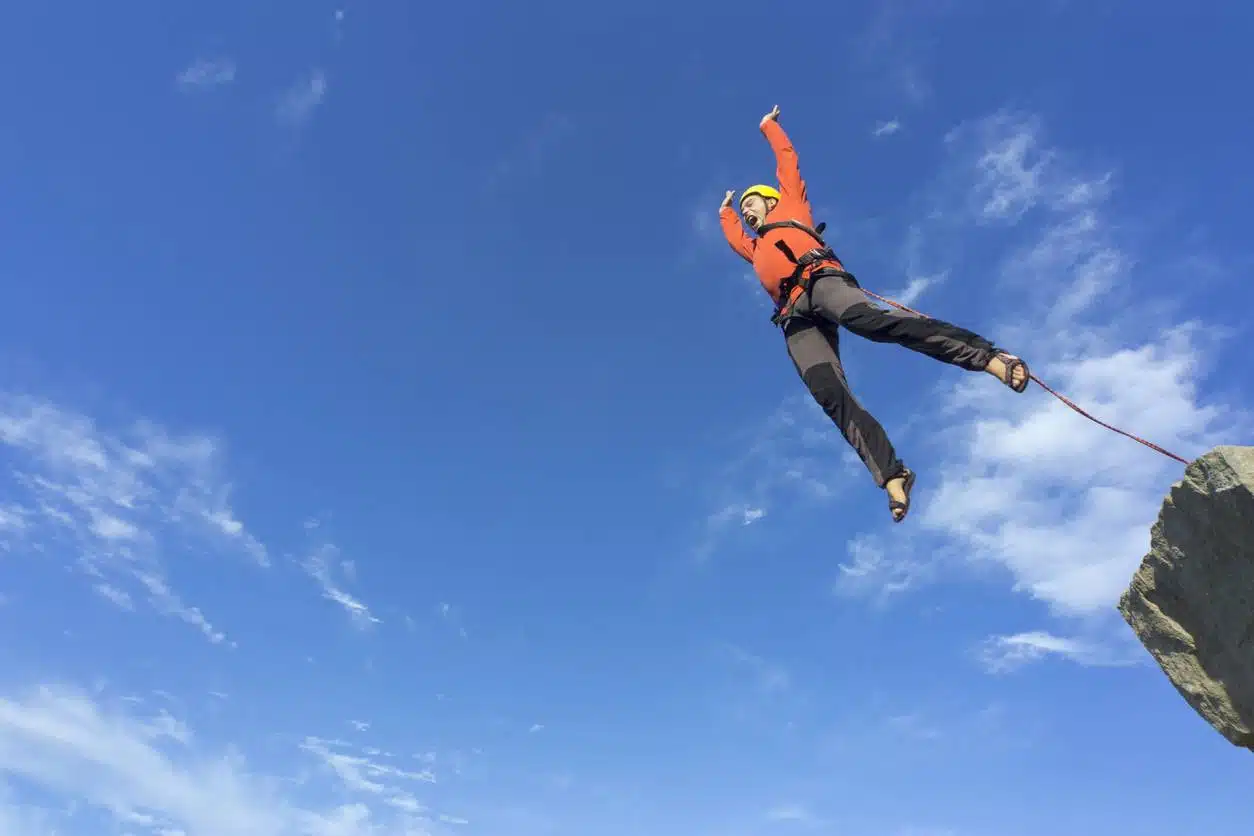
(914, 290)
(207, 74)
(914, 725)
(1021, 482)
(332, 573)
(149, 771)
(453, 617)
(1002, 654)
(787, 463)
(794, 814)
(115, 506)
(888, 128)
(768, 677)
(117, 597)
(1063, 504)
(922, 267)
(369, 774)
(893, 51)
(753, 691)
(736, 514)
(870, 572)
(26, 819)
(298, 103)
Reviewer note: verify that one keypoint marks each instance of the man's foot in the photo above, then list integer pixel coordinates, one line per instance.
(1010, 370)
(899, 494)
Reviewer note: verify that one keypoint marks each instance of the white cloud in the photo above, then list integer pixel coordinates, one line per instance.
(1023, 484)
(787, 464)
(324, 565)
(23, 819)
(149, 771)
(1064, 505)
(1001, 654)
(740, 514)
(1019, 484)
(12, 518)
(869, 571)
(914, 725)
(206, 74)
(300, 100)
(1019, 487)
(893, 47)
(793, 813)
(118, 505)
(914, 289)
(119, 598)
(64, 743)
(367, 774)
(888, 128)
(449, 614)
(1009, 167)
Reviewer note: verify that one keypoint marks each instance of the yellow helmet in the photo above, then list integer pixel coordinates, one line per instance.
(761, 190)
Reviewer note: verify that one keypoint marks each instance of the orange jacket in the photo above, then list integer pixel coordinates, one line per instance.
(771, 265)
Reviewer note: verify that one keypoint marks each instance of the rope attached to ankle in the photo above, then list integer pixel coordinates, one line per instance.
(1056, 394)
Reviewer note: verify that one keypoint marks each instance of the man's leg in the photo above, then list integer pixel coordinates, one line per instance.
(841, 302)
(815, 351)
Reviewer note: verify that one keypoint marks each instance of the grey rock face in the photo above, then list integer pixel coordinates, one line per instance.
(1191, 603)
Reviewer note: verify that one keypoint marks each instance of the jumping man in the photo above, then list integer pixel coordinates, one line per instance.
(814, 294)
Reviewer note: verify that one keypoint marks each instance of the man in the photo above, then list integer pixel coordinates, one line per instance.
(814, 295)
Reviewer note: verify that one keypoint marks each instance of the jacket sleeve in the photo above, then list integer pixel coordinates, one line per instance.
(735, 233)
(787, 171)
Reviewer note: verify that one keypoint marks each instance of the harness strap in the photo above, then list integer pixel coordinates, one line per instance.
(807, 259)
(816, 233)
(789, 284)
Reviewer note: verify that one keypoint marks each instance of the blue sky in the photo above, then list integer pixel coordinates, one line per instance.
(392, 445)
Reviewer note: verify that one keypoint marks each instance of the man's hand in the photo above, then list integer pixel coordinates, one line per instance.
(773, 116)
(727, 201)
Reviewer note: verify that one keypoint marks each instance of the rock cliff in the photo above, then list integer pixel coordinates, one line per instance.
(1191, 602)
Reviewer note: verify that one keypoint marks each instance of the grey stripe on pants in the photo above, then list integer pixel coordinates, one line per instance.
(812, 336)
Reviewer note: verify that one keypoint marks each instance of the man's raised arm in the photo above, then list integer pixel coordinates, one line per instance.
(787, 170)
(733, 231)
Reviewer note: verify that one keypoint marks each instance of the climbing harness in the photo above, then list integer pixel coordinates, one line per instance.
(801, 264)
(824, 253)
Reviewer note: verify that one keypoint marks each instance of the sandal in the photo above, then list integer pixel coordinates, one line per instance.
(1012, 363)
(896, 505)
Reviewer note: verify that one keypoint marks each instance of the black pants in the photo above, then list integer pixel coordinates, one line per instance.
(812, 336)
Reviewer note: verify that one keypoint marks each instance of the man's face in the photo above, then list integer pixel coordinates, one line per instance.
(754, 208)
